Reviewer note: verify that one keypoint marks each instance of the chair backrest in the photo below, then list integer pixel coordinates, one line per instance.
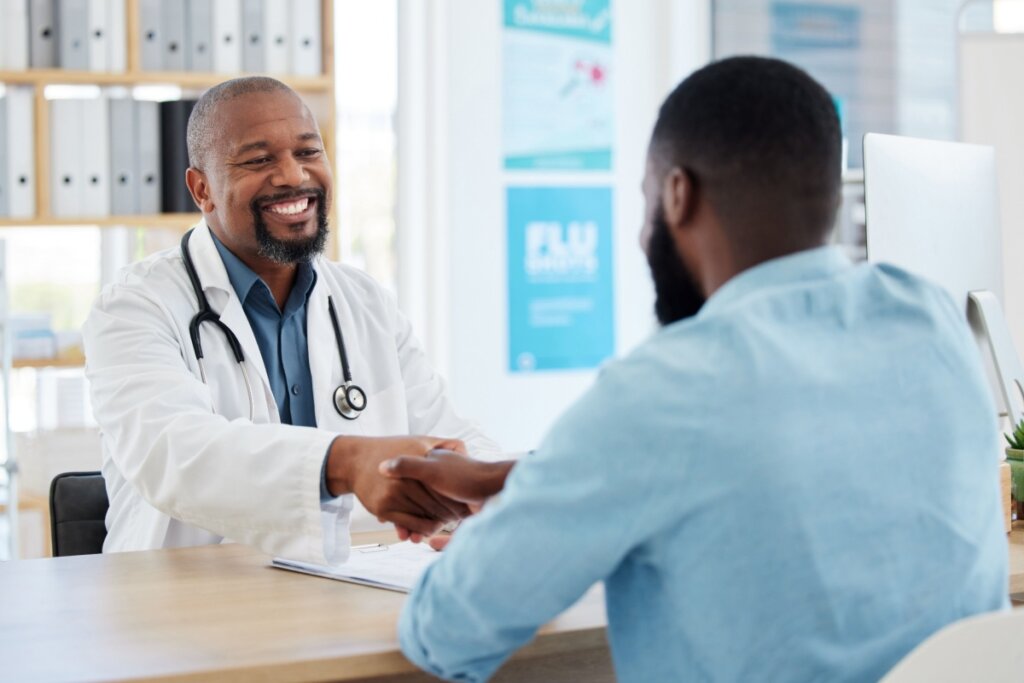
(78, 509)
(987, 647)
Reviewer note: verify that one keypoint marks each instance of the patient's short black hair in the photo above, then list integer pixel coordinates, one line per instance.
(761, 139)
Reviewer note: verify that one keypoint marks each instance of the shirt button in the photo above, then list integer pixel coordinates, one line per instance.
(295, 390)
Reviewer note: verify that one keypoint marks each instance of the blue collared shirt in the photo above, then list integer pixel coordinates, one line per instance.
(797, 484)
(280, 334)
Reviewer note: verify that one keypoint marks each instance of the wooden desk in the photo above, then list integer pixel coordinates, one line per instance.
(220, 613)
(1016, 537)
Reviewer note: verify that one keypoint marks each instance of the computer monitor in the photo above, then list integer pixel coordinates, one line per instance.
(932, 208)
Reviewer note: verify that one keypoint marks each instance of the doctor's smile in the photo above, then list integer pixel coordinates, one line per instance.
(290, 208)
(293, 211)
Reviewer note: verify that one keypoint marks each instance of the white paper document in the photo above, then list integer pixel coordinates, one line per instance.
(394, 567)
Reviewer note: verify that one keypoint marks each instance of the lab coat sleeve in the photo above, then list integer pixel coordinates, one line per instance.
(430, 410)
(256, 484)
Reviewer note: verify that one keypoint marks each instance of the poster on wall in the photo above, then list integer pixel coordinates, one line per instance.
(557, 85)
(560, 290)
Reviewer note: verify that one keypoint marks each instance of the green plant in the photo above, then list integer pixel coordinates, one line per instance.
(1016, 440)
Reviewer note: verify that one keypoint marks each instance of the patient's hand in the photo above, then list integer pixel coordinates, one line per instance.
(439, 541)
(352, 467)
(451, 475)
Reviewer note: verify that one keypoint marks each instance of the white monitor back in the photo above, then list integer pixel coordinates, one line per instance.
(932, 208)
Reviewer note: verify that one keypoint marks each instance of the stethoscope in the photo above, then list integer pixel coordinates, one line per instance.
(349, 398)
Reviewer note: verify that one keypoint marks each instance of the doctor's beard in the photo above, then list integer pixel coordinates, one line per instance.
(290, 251)
(678, 295)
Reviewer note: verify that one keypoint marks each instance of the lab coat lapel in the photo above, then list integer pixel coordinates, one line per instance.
(223, 299)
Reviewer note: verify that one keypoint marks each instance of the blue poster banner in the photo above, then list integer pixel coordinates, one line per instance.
(557, 85)
(560, 289)
(803, 26)
(583, 19)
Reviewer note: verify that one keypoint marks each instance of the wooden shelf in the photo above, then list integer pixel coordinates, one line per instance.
(75, 361)
(185, 79)
(160, 220)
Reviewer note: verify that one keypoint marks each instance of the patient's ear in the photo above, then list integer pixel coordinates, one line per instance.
(678, 197)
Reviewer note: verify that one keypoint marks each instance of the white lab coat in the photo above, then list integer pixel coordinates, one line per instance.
(183, 463)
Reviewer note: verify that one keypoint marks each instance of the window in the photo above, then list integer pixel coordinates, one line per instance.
(366, 40)
(891, 66)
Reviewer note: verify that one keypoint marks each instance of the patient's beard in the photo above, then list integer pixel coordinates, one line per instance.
(678, 296)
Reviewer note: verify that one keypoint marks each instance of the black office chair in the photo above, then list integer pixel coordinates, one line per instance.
(78, 510)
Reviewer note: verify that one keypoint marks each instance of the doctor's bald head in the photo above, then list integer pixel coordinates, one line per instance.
(206, 127)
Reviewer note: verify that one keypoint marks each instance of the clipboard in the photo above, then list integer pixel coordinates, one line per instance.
(395, 567)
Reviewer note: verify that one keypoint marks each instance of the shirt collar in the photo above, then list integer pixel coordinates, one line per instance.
(243, 278)
(812, 264)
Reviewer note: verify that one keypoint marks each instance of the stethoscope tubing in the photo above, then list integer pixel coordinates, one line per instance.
(348, 399)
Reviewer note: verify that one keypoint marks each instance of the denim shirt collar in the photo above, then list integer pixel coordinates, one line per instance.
(801, 266)
(244, 280)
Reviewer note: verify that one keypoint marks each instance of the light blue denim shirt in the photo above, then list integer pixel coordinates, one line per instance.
(797, 484)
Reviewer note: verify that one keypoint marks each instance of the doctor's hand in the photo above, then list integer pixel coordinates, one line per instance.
(353, 467)
(452, 475)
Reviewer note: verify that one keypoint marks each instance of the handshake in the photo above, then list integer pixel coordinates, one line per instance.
(419, 483)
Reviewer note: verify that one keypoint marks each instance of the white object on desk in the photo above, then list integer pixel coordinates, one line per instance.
(394, 567)
(980, 648)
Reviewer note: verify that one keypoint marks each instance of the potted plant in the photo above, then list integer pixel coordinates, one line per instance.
(1015, 458)
(1016, 441)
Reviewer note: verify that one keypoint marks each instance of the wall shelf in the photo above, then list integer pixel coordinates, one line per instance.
(160, 220)
(74, 361)
(184, 79)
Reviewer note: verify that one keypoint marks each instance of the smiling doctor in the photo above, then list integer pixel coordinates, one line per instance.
(246, 388)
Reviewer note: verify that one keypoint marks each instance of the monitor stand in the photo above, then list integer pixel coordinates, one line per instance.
(986, 316)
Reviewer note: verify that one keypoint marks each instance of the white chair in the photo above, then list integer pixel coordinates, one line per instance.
(987, 647)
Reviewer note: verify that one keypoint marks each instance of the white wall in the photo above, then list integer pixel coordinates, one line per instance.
(451, 229)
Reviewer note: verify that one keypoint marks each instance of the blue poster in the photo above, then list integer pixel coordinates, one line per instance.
(800, 26)
(560, 306)
(557, 85)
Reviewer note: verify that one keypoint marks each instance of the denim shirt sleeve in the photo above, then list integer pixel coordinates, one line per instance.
(529, 555)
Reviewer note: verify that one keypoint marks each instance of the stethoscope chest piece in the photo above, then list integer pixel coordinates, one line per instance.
(349, 400)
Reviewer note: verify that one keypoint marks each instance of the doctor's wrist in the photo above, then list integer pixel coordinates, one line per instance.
(340, 465)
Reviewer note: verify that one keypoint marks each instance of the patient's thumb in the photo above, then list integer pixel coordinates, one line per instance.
(402, 466)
